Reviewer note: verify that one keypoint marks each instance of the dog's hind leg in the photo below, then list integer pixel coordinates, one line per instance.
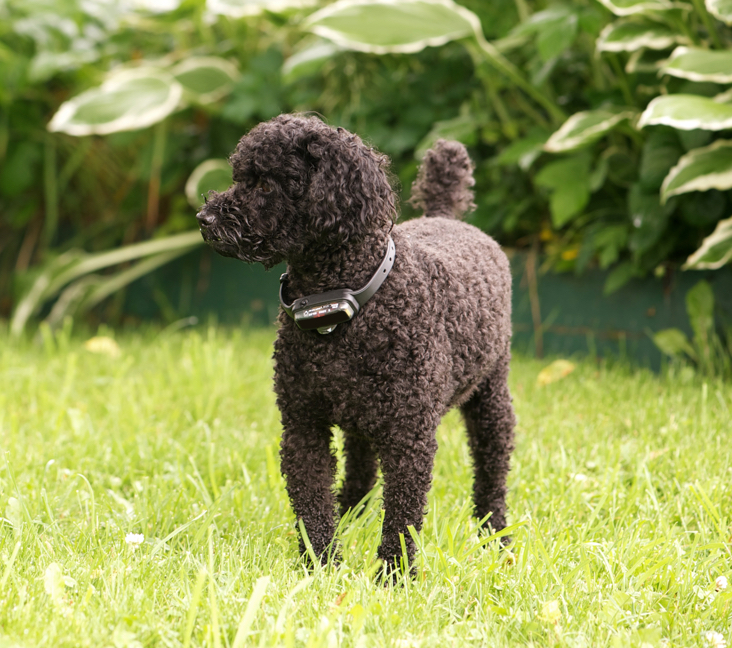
(490, 420)
(309, 468)
(361, 470)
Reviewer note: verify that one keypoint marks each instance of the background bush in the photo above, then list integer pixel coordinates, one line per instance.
(591, 200)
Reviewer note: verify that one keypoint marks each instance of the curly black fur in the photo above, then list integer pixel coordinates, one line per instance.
(436, 335)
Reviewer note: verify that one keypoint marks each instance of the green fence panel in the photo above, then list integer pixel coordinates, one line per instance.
(553, 314)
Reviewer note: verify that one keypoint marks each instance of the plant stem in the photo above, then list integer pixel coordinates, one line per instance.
(50, 188)
(522, 8)
(509, 127)
(622, 79)
(158, 156)
(708, 23)
(74, 162)
(530, 110)
(4, 131)
(492, 56)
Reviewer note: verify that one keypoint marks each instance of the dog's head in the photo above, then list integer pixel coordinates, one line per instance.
(298, 184)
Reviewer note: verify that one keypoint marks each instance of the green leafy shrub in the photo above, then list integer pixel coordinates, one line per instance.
(667, 117)
(581, 145)
(640, 174)
(710, 352)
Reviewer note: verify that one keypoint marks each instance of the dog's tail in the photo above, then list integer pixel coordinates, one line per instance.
(444, 181)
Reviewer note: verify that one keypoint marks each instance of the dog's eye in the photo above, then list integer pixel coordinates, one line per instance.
(264, 186)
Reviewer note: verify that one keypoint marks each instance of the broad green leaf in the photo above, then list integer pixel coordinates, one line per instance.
(77, 265)
(661, 151)
(384, 26)
(720, 9)
(620, 275)
(628, 35)
(206, 79)
(698, 64)
(630, 7)
(583, 128)
(130, 100)
(462, 128)
(687, 112)
(555, 30)
(608, 242)
(308, 60)
(210, 175)
(569, 183)
(709, 167)
(89, 290)
(673, 342)
(557, 37)
(523, 151)
(241, 8)
(538, 21)
(649, 218)
(715, 250)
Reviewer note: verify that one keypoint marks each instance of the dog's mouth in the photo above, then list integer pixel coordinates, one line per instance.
(215, 241)
(256, 251)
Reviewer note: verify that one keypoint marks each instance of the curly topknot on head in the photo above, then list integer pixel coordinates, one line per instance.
(339, 182)
(443, 184)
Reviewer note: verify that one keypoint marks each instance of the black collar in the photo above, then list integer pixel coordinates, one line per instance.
(346, 301)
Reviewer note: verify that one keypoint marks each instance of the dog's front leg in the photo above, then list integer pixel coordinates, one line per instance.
(309, 469)
(406, 462)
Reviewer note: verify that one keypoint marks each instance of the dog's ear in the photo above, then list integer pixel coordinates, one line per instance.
(349, 194)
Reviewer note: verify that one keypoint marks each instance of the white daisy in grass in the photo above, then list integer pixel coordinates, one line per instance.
(134, 539)
(715, 639)
(720, 584)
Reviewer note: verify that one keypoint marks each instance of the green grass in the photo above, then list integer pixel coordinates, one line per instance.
(620, 491)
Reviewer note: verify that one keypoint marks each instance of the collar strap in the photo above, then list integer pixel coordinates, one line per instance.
(355, 299)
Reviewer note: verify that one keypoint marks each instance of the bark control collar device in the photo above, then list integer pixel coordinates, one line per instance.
(325, 311)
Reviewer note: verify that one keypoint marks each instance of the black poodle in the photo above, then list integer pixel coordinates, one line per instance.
(377, 338)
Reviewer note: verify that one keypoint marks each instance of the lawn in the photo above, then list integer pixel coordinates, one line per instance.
(142, 505)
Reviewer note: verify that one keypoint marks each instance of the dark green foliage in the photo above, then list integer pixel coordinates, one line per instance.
(596, 205)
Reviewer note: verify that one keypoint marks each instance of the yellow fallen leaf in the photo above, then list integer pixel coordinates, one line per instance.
(550, 612)
(103, 345)
(555, 371)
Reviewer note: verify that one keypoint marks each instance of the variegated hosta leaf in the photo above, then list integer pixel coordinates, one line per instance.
(156, 6)
(698, 64)
(724, 97)
(384, 26)
(585, 127)
(214, 174)
(701, 169)
(628, 35)
(687, 112)
(720, 9)
(715, 250)
(309, 59)
(241, 8)
(206, 79)
(630, 7)
(129, 100)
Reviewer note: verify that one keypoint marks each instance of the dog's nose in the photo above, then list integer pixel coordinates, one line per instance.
(205, 219)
